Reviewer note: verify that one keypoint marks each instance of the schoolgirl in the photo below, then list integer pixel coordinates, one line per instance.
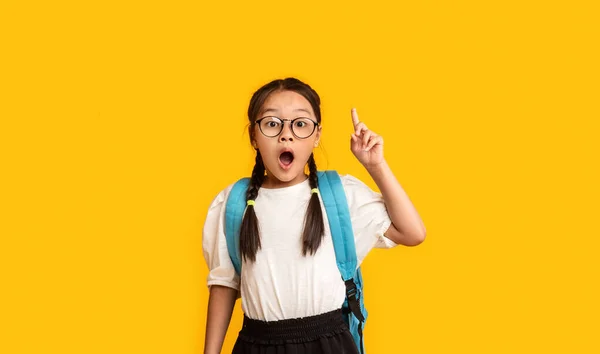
(290, 286)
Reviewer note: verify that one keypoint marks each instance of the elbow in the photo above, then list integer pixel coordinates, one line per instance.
(416, 238)
(412, 238)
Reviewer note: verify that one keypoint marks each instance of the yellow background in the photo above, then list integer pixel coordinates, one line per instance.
(120, 121)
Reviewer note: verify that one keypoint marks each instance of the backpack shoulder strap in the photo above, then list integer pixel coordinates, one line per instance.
(234, 212)
(338, 214)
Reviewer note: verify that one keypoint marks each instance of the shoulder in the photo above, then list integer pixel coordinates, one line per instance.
(215, 216)
(358, 193)
(350, 181)
(354, 186)
(223, 195)
(370, 218)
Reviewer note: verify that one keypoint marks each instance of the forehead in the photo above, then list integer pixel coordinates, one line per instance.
(286, 103)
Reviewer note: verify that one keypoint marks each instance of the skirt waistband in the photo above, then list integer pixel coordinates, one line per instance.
(296, 330)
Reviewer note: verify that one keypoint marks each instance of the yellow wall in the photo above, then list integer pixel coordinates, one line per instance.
(121, 122)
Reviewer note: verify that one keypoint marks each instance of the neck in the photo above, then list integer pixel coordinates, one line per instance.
(271, 182)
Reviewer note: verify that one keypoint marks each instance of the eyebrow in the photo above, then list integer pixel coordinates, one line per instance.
(274, 110)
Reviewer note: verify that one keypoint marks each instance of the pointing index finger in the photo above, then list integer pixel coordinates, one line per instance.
(355, 120)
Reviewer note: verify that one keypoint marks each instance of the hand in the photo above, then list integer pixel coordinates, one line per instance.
(365, 144)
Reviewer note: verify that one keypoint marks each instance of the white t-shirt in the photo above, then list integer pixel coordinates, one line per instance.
(283, 284)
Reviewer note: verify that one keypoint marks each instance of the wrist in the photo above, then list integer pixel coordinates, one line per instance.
(377, 168)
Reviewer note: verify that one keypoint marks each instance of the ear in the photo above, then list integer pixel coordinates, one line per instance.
(318, 135)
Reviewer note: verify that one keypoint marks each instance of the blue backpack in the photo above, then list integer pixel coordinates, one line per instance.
(336, 206)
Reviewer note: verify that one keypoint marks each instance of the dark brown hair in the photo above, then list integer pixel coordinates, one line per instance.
(313, 223)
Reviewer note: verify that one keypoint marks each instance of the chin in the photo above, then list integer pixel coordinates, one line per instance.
(285, 176)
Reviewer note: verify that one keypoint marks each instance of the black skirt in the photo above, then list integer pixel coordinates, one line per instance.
(322, 334)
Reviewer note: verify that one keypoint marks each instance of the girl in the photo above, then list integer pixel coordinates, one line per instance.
(290, 286)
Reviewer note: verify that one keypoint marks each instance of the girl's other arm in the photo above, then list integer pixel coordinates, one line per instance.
(220, 307)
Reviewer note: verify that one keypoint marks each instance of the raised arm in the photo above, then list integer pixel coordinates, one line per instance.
(407, 227)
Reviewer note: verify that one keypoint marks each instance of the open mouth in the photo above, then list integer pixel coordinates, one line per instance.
(286, 158)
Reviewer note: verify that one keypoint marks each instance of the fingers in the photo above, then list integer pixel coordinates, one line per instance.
(375, 140)
(359, 128)
(354, 115)
(365, 138)
(367, 141)
(362, 135)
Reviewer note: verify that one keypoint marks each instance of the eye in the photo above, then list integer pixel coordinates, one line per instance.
(270, 122)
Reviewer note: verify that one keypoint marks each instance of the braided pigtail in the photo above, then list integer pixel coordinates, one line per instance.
(313, 224)
(249, 235)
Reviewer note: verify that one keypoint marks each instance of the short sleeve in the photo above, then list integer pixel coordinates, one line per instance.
(370, 219)
(214, 245)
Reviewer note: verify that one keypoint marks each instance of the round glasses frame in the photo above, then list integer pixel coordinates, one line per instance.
(316, 124)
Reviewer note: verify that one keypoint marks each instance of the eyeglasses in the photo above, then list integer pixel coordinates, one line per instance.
(301, 127)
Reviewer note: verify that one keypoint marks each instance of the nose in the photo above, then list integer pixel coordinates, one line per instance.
(286, 133)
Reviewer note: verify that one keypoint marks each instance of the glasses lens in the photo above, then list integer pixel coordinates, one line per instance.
(303, 127)
(270, 126)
